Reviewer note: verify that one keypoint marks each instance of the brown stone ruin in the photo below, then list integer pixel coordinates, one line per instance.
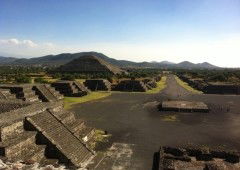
(98, 84)
(210, 87)
(131, 86)
(31, 93)
(71, 88)
(183, 106)
(173, 158)
(34, 127)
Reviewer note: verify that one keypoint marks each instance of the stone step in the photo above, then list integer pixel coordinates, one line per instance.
(9, 147)
(67, 117)
(31, 153)
(76, 126)
(11, 130)
(46, 161)
(59, 136)
(31, 99)
(85, 133)
(45, 93)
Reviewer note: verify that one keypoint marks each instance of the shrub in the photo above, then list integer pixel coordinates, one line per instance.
(23, 79)
(40, 80)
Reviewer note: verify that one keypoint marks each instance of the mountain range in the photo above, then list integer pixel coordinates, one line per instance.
(60, 59)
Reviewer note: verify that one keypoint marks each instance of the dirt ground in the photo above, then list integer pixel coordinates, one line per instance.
(134, 121)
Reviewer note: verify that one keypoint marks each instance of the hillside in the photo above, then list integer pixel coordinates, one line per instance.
(61, 59)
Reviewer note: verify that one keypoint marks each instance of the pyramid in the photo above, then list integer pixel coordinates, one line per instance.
(89, 64)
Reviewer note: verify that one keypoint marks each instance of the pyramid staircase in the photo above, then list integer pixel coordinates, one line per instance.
(23, 92)
(131, 86)
(47, 93)
(71, 88)
(98, 84)
(6, 94)
(45, 133)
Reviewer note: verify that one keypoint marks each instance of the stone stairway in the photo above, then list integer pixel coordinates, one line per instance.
(70, 88)
(76, 126)
(47, 93)
(27, 94)
(44, 132)
(81, 87)
(6, 94)
(71, 150)
(98, 84)
(131, 86)
(17, 144)
(23, 92)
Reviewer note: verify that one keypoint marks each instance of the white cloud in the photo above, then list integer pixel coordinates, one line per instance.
(25, 47)
(15, 42)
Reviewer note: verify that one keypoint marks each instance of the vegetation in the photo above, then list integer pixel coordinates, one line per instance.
(160, 86)
(69, 101)
(23, 79)
(40, 80)
(170, 118)
(186, 86)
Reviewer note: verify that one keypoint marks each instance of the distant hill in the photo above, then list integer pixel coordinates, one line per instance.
(61, 59)
(89, 64)
(6, 60)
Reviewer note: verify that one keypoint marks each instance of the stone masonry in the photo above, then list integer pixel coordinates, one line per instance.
(131, 86)
(196, 158)
(98, 84)
(71, 88)
(45, 133)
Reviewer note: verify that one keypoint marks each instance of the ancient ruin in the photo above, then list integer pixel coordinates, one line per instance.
(6, 94)
(212, 87)
(71, 88)
(30, 92)
(98, 84)
(196, 158)
(45, 133)
(183, 106)
(131, 86)
(221, 88)
(150, 83)
(90, 64)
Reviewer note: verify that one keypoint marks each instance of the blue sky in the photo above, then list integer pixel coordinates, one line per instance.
(138, 30)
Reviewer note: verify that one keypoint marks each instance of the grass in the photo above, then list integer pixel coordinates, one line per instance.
(69, 101)
(99, 137)
(160, 86)
(81, 80)
(186, 86)
(170, 118)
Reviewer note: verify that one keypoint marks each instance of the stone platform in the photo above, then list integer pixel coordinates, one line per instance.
(44, 132)
(196, 159)
(183, 106)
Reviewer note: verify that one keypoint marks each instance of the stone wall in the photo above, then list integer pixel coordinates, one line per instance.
(131, 86)
(44, 133)
(71, 88)
(211, 88)
(98, 84)
(196, 158)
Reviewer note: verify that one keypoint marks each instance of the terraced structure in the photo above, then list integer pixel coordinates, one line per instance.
(71, 88)
(45, 133)
(98, 84)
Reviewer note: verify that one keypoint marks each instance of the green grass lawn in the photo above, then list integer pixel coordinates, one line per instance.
(160, 86)
(186, 86)
(69, 101)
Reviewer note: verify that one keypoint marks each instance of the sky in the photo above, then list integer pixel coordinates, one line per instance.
(136, 30)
